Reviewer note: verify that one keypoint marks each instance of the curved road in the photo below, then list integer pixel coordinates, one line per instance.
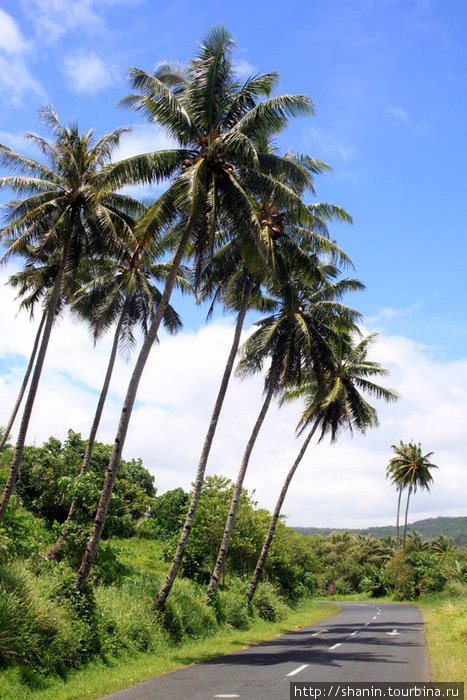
(364, 642)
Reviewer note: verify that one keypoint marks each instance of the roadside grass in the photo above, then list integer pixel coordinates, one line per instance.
(446, 632)
(101, 677)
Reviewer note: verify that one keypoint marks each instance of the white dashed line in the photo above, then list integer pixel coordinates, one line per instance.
(227, 696)
(336, 645)
(297, 670)
(353, 634)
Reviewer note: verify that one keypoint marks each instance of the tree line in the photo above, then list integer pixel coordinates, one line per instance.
(234, 226)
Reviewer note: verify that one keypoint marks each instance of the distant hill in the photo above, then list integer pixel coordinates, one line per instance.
(455, 529)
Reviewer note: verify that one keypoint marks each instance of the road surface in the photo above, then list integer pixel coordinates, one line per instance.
(364, 642)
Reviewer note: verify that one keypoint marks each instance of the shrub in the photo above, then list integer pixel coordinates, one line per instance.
(268, 604)
(232, 607)
(36, 631)
(185, 614)
(126, 618)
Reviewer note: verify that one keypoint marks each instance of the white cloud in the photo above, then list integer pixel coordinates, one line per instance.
(400, 114)
(15, 77)
(329, 145)
(387, 313)
(11, 40)
(336, 485)
(53, 18)
(244, 68)
(88, 72)
(143, 138)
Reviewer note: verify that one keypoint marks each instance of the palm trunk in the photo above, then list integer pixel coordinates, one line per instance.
(396, 572)
(50, 319)
(54, 552)
(275, 516)
(230, 522)
(404, 540)
(25, 382)
(180, 551)
(398, 517)
(109, 481)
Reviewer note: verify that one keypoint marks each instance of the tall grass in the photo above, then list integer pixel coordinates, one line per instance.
(445, 618)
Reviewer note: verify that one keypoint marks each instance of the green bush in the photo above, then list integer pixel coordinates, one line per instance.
(36, 631)
(232, 607)
(186, 615)
(376, 583)
(126, 618)
(23, 535)
(268, 604)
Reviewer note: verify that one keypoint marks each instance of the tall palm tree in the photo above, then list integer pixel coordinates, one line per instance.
(333, 402)
(218, 172)
(391, 473)
(295, 338)
(68, 207)
(121, 291)
(410, 469)
(241, 272)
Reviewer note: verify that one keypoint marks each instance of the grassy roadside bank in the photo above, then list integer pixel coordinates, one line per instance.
(445, 626)
(99, 677)
(446, 632)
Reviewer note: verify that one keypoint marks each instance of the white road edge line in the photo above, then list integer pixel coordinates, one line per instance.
(336, 645)
(297, 670)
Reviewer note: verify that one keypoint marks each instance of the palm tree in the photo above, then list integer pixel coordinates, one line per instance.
(410, 469)
(239, 285)
(120, 290)
(294, 338)
(441, 545)
(333, 402)
(68, 207)
(391, 473)
(219, 174)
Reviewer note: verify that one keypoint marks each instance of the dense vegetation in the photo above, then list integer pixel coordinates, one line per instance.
(454, 528)
(48, 628)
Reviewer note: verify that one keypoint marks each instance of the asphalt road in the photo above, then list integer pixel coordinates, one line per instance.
(362, 643)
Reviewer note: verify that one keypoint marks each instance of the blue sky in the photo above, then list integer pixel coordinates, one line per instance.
(388, 79)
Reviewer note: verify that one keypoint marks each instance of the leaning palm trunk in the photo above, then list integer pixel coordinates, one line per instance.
(398, 517)
(25, 382)
(54, 552)
(275, 516)
(49, 322)
(396, 572)
(404, 540)
(109, 481)
(230, 522)
(183, 541)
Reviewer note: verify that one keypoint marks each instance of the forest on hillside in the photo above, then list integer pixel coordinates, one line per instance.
(454, 528)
